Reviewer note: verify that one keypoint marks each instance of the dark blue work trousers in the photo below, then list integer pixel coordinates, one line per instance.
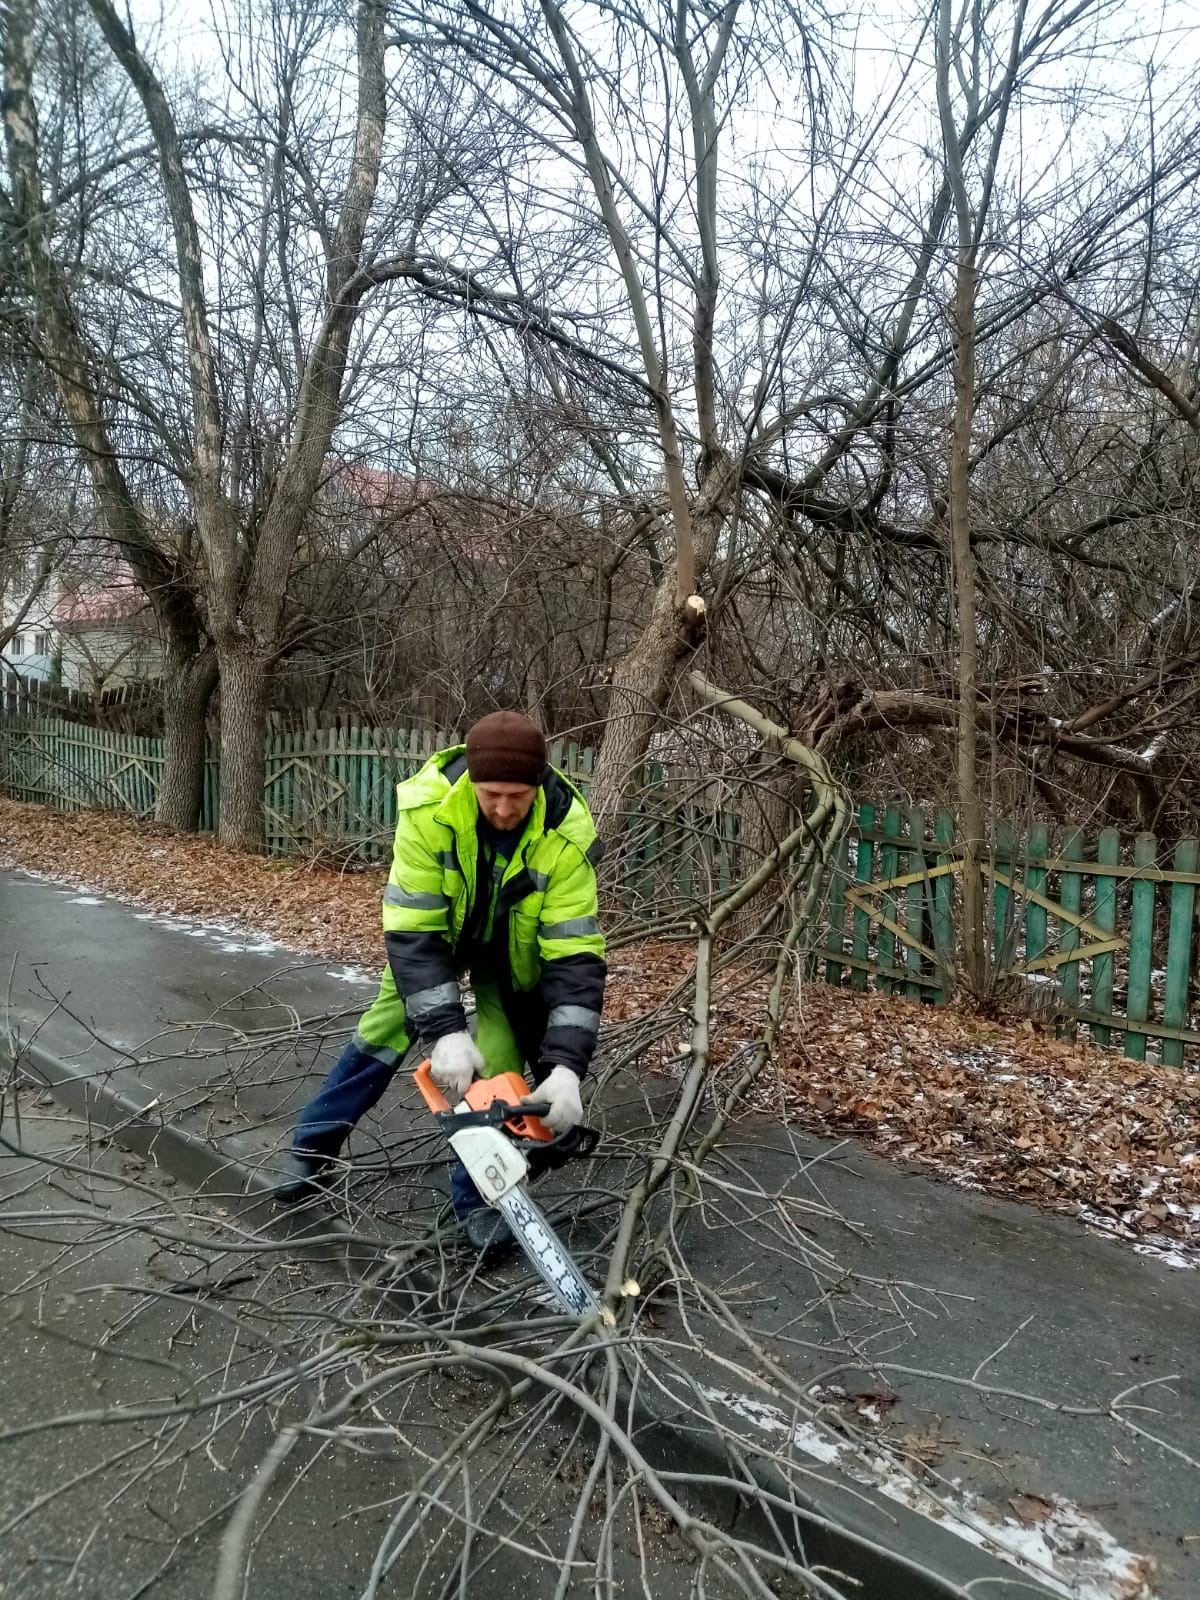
(357, 1082)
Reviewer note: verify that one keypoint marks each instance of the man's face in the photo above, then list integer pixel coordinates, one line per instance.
(505, 805)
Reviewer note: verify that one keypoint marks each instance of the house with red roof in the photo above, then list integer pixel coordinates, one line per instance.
(90, 634)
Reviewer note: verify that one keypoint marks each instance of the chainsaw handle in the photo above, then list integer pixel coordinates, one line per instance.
(436, 1100)
(430, 1093)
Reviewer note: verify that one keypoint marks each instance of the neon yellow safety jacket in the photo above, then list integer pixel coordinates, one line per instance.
(544, 927)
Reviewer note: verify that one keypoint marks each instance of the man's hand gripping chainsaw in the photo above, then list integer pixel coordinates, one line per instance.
(495, 1132)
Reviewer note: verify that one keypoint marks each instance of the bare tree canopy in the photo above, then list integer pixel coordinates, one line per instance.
(457, 356)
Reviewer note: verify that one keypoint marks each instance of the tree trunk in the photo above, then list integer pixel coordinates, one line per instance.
(243, 762)
(973, 956)
(641, 682)
(644, 677)
(188, 683)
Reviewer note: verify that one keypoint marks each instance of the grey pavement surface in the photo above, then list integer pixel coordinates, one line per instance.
(71, 1344)
(222, 1036)
(939, 1281)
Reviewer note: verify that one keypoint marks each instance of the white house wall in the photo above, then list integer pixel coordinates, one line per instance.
(116, 653)
(21, 654)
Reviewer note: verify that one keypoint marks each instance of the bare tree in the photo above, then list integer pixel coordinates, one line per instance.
(21, 553)
(76, 368)
(232, 460)
(600, 91)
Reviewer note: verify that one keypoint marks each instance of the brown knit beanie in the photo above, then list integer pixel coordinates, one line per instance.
(506, 747)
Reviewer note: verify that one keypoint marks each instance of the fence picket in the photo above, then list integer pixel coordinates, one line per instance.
(915, 919)
(1108, 853)
(1036, 878)
(1070, 894)
(943, 903)
(1141, 948)
(1005, 857)
(1179, 950)
(889, 856)
(835, 943)
(863, 858)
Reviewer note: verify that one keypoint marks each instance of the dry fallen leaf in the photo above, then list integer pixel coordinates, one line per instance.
(1031, 1508)
(923, 1449)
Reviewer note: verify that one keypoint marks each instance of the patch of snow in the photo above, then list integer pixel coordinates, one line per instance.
(229, 938)
(813, 1441)
(1170, 1252)
(1176, 1256)
(1155, 747)
(1069, 1552)
(352, 975)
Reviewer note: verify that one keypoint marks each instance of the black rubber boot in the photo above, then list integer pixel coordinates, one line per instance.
(301, 1178)
(488, 1232)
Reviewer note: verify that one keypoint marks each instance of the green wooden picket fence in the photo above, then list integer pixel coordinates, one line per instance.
(1096, 932)
(331, 791)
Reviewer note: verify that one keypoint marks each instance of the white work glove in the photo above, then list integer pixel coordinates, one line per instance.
(561, 1090)
(453, 1062)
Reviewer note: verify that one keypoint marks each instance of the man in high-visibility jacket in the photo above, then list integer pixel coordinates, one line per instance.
(493, 873)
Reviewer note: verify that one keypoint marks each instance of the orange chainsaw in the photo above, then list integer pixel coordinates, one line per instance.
(496, 1133)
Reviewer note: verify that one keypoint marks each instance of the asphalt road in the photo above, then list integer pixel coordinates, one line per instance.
(221, 1042)
(98, 1316)
(101, 1312)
